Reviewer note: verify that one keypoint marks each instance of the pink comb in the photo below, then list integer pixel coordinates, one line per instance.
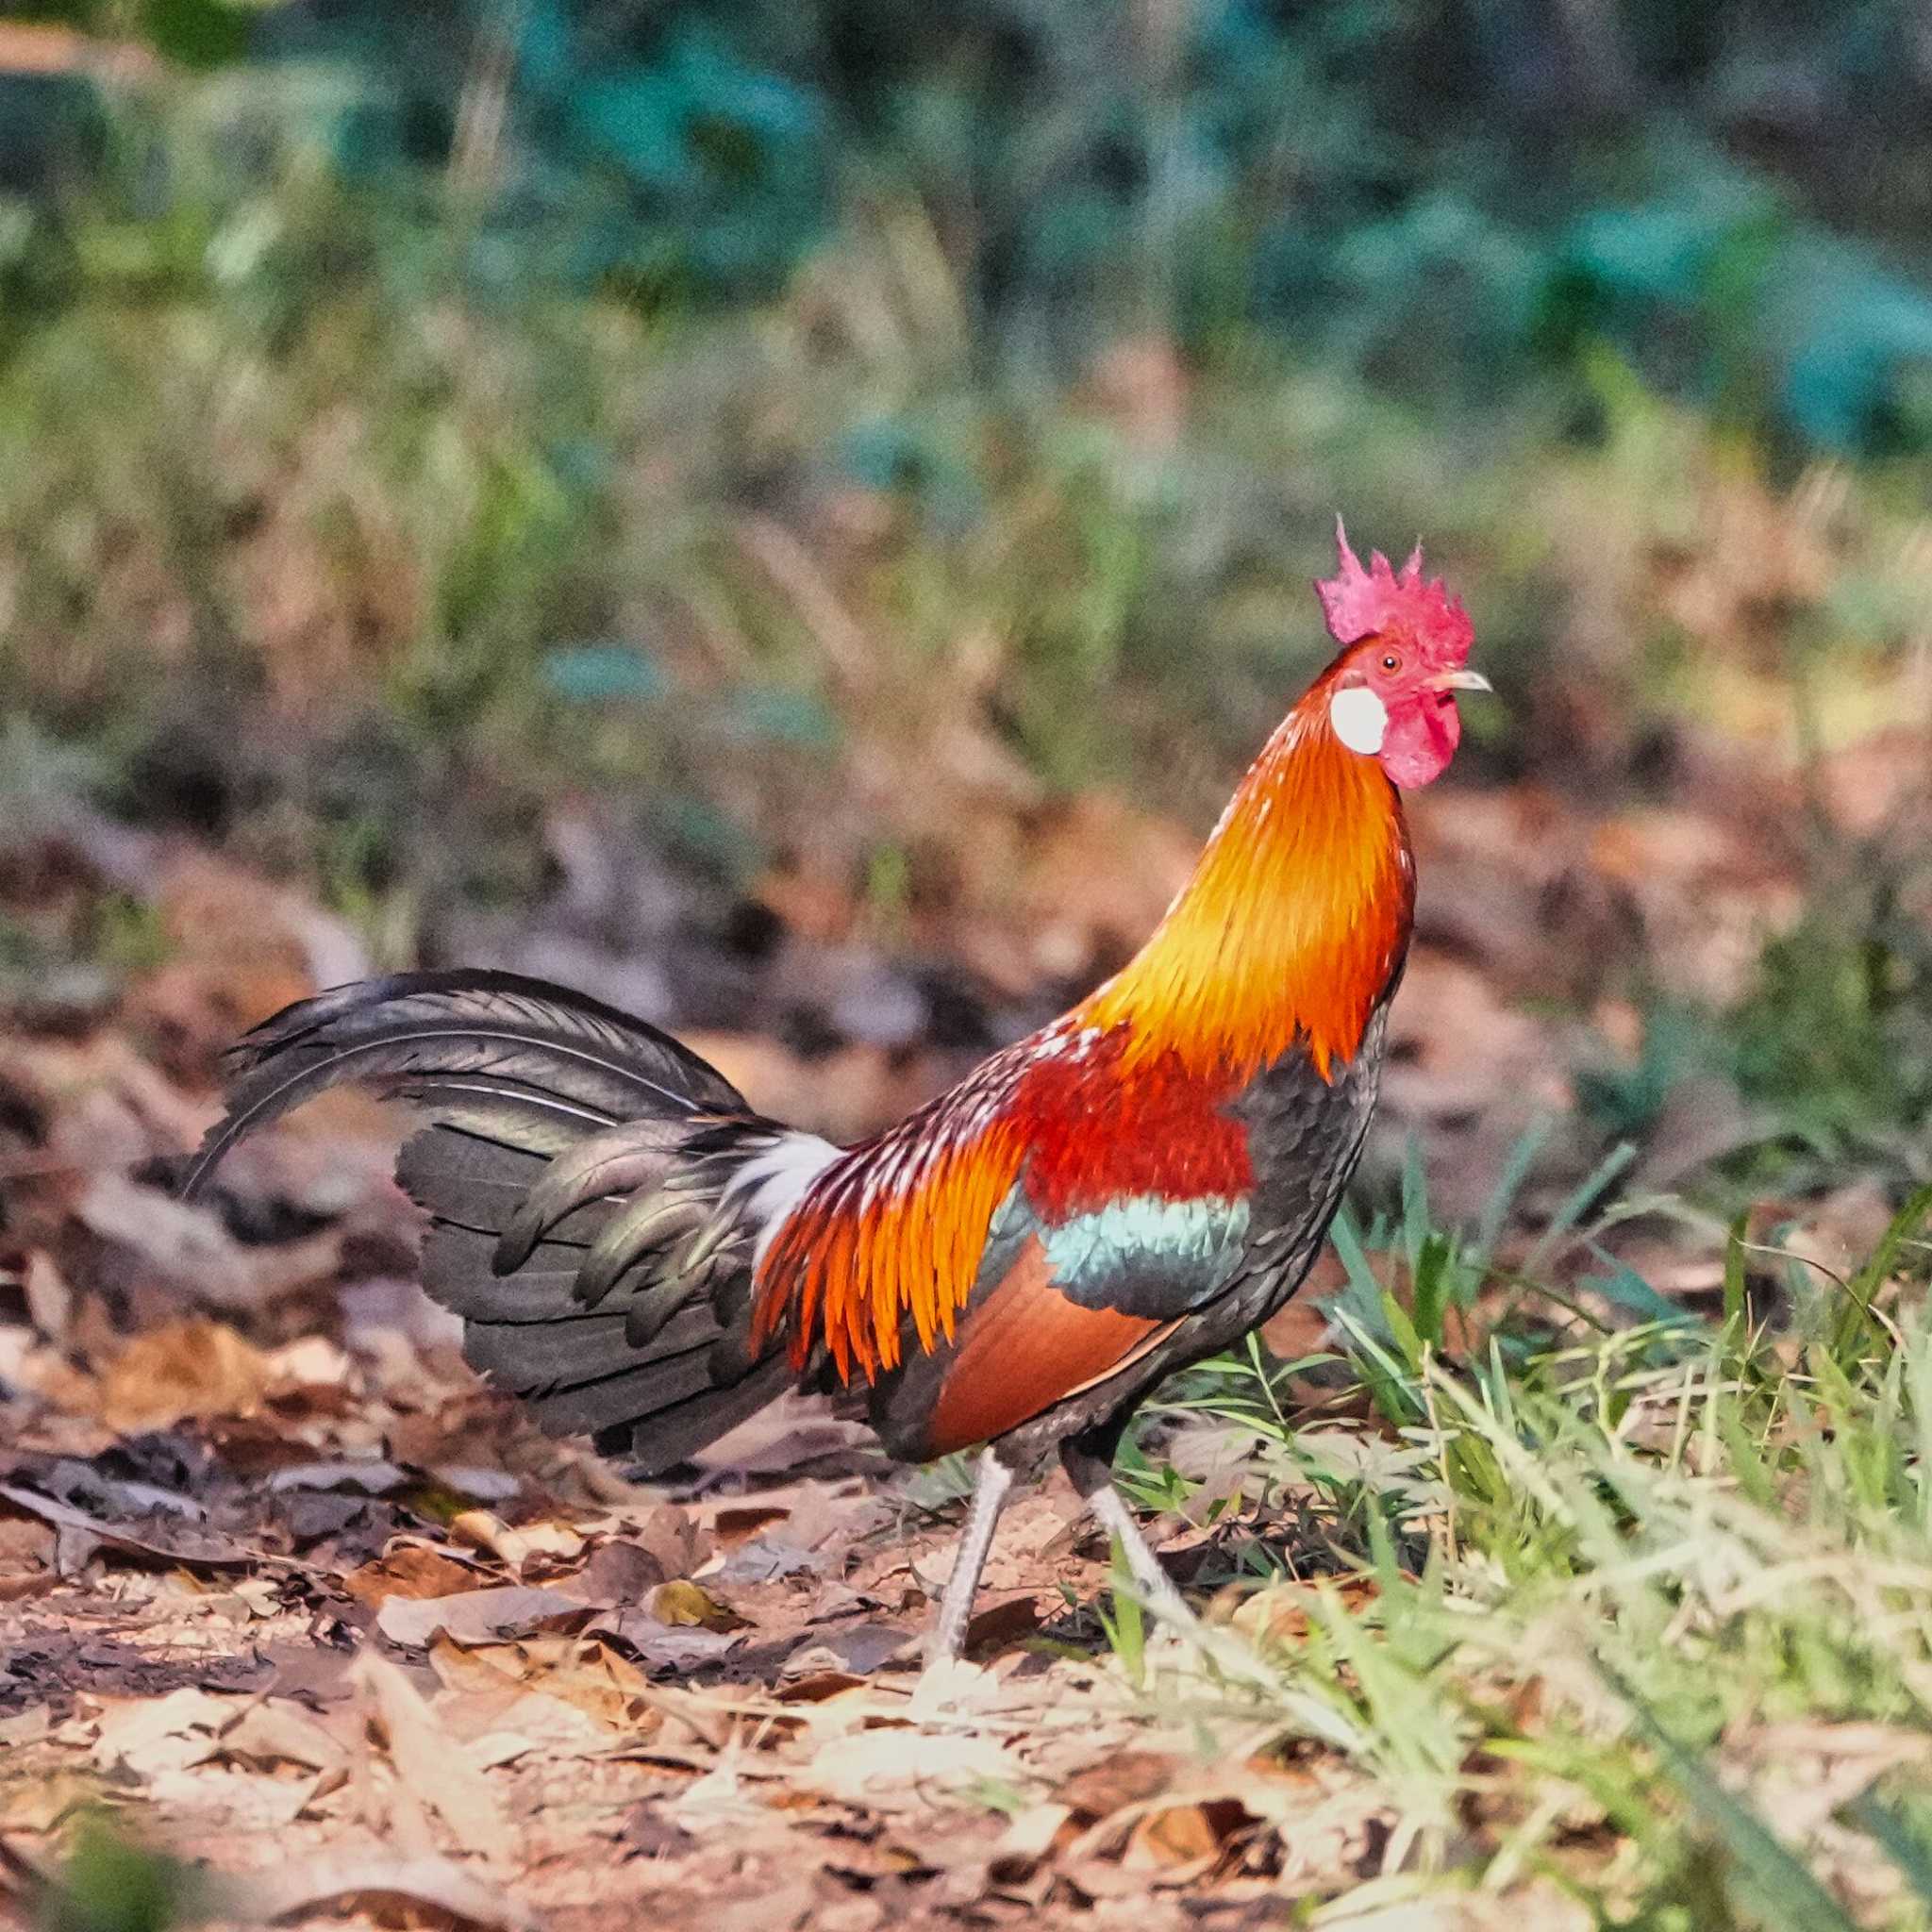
(1359, 603)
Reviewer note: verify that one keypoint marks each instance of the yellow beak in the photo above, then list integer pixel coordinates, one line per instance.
(1461, 680)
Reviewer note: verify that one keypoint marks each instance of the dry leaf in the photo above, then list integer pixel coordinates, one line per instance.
(428, 1762)
(1029, 1836)
(474, 1616)
(26, 1726)
(1004, 1622)
(188, 1543)
(147, 1736)
(43, 1804)
(660, 1646)
(368, 1476)
(674, 1537)
(859, 1650)
(590, 1676)
(1187, 1835)
(481, 1530)
(308, 1363)
(183, 1368)
(411, 1570)
(49, 1299)
(617, 1574)
(366, 1882)
(891, 1769)
(276, 1732)
(1278, 1614)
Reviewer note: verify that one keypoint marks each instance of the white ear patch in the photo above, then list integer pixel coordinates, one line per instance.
(1360, 718)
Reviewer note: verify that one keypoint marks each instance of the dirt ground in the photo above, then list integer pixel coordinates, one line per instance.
(291, 1599)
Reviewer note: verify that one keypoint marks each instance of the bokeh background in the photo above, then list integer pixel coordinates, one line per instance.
(792, 516)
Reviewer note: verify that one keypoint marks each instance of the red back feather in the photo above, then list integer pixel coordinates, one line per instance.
(1287, 937)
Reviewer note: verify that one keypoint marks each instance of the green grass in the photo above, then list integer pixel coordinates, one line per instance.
(1640, 1617)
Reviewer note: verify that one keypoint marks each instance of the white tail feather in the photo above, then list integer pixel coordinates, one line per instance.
(771, 1184)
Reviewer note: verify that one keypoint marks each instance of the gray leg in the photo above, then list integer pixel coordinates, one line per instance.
(962, 1585)
(1092, 1478)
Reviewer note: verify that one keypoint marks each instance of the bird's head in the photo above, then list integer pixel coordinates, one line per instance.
(1391, 691)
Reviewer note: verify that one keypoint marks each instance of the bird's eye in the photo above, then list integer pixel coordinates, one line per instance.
(1390, 662)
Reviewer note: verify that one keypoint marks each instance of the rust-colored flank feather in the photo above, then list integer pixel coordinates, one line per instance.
(1285, 938)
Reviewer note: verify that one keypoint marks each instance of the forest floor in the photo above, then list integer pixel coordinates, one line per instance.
(297, 1619)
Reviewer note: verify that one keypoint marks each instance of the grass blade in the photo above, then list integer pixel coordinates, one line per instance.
(1788, 1890)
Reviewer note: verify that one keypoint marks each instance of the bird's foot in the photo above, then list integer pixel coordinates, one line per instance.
(1158, 1593)
(1156, 1589)
(949, 1685)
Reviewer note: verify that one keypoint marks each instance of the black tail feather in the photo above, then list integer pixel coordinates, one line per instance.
(538, 1050)
(512, 1073)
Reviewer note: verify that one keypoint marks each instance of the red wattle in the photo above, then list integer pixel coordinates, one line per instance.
(1421, 738)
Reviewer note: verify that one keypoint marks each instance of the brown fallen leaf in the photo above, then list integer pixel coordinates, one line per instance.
(819, 1685)
(49, 1299)
(189, 1544)
(899, 1768)
(273, 1732)
(411, 1570)
(482, 1530)
(184, 1249)
(45, 1803)
(28, 1545)
(590, 1675)
(1128, 1777)
(195, 1368)
(660, 1646)
(1004, 1622)
(674, 1539)
(147, 1736)
(1279, 1613)
(366, 1476)
(475, 1616)
(428, 1762)
(744, 1521)
(855, 1651)
(1028, 1838)
(617, 1574)
(1192, 1835)
(368, 1882)
(26, 1726)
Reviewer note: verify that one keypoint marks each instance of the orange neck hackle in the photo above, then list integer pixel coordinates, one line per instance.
(1293, 923)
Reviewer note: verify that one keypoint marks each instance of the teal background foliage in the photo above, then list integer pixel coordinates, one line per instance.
(1451, 198)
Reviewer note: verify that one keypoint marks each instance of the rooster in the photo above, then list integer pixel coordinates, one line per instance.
(643, 1258)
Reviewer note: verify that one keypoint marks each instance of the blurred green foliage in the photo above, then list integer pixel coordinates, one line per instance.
(415, 418)
(1441, 198)
(110, 1883)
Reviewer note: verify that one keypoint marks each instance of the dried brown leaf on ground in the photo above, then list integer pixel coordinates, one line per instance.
(476, 1616)
(196, 1368)
(436, 1773)
(379, 1884)
(412, 1570)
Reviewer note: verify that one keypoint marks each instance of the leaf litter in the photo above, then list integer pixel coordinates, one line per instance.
(295, 1599)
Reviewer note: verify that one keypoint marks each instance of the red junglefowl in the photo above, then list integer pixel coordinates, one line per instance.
(641, 1256)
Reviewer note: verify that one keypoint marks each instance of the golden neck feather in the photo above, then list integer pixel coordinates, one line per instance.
(1294, 923)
